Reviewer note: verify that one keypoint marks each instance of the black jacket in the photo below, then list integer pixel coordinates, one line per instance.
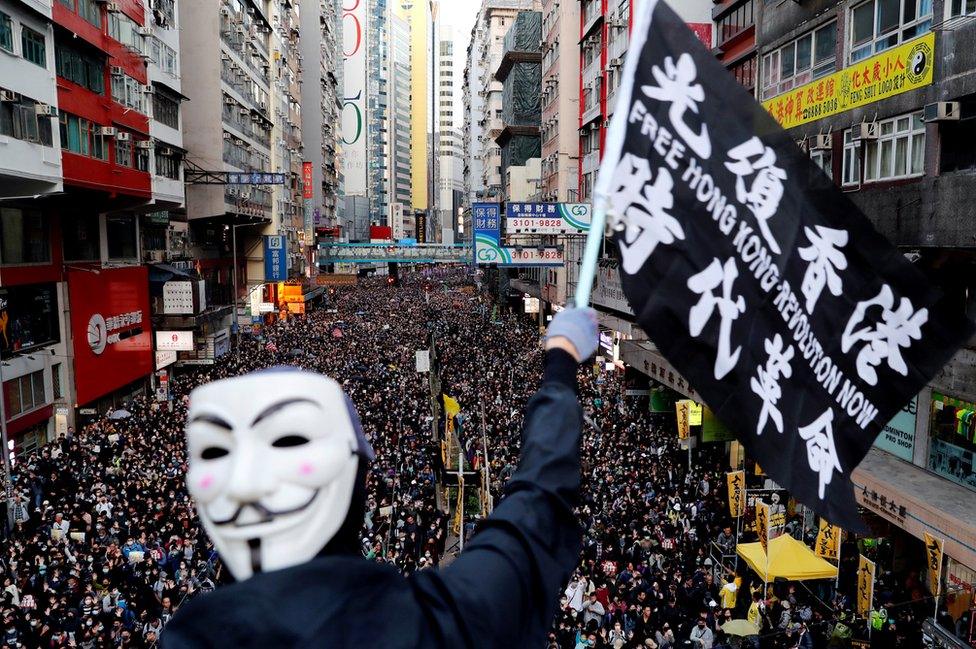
(501, 592)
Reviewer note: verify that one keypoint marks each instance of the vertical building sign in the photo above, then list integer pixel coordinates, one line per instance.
(308, 194)
(354, 99)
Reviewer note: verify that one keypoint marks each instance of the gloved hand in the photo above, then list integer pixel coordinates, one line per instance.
(578, 328)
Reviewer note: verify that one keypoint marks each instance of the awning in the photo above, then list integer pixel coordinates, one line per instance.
(162, 273)
(788, 558)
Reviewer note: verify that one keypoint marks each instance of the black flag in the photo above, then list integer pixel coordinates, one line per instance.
(801, 327)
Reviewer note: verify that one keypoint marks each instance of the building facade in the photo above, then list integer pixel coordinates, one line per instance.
(905, 157)
(448, 159)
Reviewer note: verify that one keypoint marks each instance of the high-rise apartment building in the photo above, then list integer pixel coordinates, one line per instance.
(230, 85)
(482, 95)
(400, 116)
(449, 177)
(377, 114)
(320, 34)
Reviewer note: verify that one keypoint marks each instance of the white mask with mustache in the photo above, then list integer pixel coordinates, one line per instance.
(273, 458)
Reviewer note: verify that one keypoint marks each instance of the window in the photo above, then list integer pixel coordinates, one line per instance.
(852, 159)
(166, 110)
(56, 381)
(899, 151)
(142, 159)
(745, 72)
(33, 46)
(82, 137)
(167, 166)
(878, 25)
(809, 57)
(120, 230)
(736, 21)
(80, 237)
(823, 159)
(961, 7)
(953, 439)
(24, 393)
(6, 32)
(128, 92)
(88, 9)
(83, 69)
(19, 119)
(23, 237)
(123, 152)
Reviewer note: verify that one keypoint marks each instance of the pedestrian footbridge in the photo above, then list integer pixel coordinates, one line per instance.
(373, 253)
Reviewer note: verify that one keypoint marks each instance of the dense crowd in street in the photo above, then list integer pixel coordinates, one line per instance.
(106, 544)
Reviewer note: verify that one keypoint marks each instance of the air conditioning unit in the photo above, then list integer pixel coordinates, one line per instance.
(144, 144)
(227, 136)
(146, 31)
(616, 63)
(156, 256)
(113, 7)
(943, 111)
(264, 105)
(228, 101)
(148, 90)
(109, 131)
(45, 110)
(866, 131)
(166, 151)
(123, 137)
(820, 142)
(9, 96)
(117, 71)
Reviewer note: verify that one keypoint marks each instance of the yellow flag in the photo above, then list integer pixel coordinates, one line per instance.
(737, 492)
(933, 561)
(828, 541)
(762, 526)
(865, 585)
(451, 407)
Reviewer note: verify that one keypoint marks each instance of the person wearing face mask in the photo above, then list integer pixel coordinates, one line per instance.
(283, 499)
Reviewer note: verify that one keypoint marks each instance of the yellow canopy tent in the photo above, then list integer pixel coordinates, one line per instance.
(788, 558)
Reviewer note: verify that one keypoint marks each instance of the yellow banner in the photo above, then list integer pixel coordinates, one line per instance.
(459, 510)
(683, 412)
(828, 541)
(737, 493)
(933, 561)
(762, 526)
(865, 585)
(903, 68)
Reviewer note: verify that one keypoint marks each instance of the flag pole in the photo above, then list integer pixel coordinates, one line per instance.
(594, 240)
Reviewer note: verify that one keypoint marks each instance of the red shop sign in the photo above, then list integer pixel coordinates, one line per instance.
(110, 324)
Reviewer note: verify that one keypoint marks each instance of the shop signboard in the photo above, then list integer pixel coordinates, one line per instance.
(898, 435)
(110, 325)
(174, 341)
(488, 248)
(547, 218)
(275, 259)
(900, 69)
(164, 359)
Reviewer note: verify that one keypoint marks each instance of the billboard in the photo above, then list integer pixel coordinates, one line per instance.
(489, 250)
(547, 218)
(354, 99)
(174, 341)
(275, 259)
(28, 317)
(110, 324)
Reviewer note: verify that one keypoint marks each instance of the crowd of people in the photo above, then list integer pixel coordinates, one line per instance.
(106, 543)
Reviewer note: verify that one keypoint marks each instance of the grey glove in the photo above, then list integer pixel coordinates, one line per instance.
(579, 327)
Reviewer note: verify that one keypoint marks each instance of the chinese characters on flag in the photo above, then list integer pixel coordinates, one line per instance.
(865, 585)
(933, 562)
(758, 280)
(762, 527)
(737, 493)
(828, 541)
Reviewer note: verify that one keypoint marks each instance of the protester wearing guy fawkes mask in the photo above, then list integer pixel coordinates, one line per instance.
(282, 496)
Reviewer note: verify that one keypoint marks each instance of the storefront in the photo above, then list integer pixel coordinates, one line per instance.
(952, 439)
(112, 334)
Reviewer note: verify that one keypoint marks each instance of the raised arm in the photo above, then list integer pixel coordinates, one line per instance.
(503, 589)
